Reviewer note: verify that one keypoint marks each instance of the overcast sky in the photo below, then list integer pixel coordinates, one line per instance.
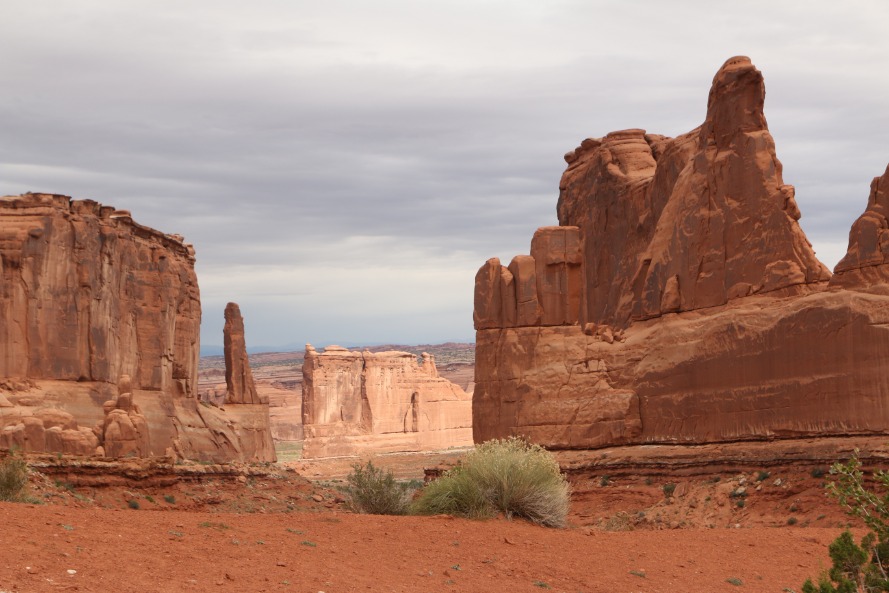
(344, 167)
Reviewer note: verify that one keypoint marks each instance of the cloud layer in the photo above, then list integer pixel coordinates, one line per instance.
(344, 167)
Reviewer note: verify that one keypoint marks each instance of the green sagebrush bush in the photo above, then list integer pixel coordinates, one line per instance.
(508, 476)
(13, 478)
(375, 491)
(857, 568)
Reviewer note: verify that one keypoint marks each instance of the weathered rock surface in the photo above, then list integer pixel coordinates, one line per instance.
(702, 312)
(88, 297)
(356, 402)
(866, 263)
(238, 378)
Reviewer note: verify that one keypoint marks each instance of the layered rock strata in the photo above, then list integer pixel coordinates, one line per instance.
(357, 402)
(99, 338)
(687, 305)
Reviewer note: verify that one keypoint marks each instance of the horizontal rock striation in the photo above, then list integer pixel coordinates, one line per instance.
(357, 402)
(688, 306)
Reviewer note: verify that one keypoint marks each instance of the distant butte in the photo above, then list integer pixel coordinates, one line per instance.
(679, 301)
(357, 403)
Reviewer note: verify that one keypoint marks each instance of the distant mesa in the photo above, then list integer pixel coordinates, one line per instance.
(361, 402)
(679, 301)
(99, 340)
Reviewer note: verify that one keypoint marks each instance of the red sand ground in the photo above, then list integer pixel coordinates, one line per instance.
(199, 528)
(139, 551)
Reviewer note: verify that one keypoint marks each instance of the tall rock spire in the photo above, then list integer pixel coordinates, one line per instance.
(238, 377)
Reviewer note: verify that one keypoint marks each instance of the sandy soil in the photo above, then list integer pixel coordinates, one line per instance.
(56, 548)
(749, 517)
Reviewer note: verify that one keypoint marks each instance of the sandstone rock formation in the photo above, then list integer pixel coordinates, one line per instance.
(88, 297)
(681, 302)
(355, 402)
(867, 262)
(238, 378)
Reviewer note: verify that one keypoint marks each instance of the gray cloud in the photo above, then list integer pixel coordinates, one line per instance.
(343, 167)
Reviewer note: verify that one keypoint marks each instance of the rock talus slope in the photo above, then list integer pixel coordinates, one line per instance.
(355, 402)
(684, 304)
(99, 336)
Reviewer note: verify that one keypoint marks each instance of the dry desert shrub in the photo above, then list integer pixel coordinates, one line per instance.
(375, 491)
(509, 476)
(13, 478)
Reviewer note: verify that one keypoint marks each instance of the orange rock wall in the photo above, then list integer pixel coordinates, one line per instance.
(355, 402)
(89, 295)
(702, 312)
(99, 339)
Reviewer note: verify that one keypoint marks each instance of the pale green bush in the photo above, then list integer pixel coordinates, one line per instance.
(509, 476)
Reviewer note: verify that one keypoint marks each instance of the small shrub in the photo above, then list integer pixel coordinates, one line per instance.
(792, 521)
(604, 481)
(13, 478)
(133, 504)
(763, 475)
(509, 476)
(170, 498)
(734, 581)
(818, 472)
(857, 567)
(741, 503)
(669, 489)
(375, 491)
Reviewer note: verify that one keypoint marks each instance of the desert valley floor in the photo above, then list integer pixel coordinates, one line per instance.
(285, 527)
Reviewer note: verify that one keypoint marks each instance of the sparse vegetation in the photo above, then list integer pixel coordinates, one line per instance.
(792, 521)
(818, 472)
(857, 567)
(508, 476)
(762, 476)
(170, 498)
(734, 581)
(375, 491)
(669, 489)
(133, 504)
(13, 478)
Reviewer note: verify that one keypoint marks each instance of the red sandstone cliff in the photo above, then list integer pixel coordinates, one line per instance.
(679, 300)
(99, 338)
(356, 402)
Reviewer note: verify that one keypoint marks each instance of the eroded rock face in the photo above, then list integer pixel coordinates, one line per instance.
(702, 312)
(356, 402)
(238, 378)
(866, 263)
(88, 297)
